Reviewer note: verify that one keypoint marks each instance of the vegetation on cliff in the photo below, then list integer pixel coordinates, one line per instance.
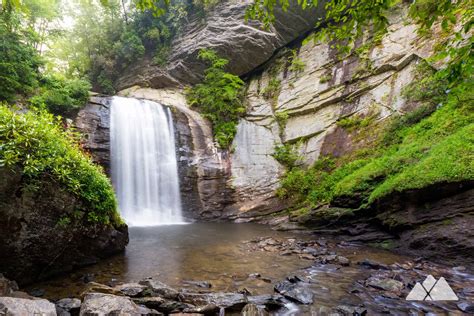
(36, 144)
(431, 145)
(218, 97)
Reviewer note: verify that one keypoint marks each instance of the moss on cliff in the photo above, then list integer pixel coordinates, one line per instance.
(36, 144)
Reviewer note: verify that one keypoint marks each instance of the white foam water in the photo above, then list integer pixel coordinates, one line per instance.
(144, 166)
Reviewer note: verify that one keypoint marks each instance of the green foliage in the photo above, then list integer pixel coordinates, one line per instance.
(19, 62)
(296, 64)
(282, 118)
(218, 97)
(286, 155)
(61, 96)
(325, 78)
(36, 143)
(356, 122)
(272, 89)
(344, 21)
(432, 144)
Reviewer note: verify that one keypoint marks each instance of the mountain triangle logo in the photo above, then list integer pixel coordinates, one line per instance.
(432, 290)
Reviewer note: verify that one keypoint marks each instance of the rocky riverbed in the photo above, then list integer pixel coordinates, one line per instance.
(338, 278)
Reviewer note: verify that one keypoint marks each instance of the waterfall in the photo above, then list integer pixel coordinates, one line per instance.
(144, 166)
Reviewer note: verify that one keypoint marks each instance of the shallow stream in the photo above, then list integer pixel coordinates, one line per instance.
(226, 256)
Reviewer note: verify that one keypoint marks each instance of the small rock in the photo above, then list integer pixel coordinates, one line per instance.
(253, 310)
(307, 256)
(160, 289)
(202, 284)
(466, 307)
(286, 253)
(131, 289)
(271, 302)
(244, 291)
(36, 292)
(21, 306)
(296, 291)
(229, 301)
(68, 306)
(373, 265)
(254, 275)
(93, 287)
(386, 285)
(7, 286)
(88, 277)
(343, 261)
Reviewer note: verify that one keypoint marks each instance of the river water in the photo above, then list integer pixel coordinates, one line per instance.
(224, 255)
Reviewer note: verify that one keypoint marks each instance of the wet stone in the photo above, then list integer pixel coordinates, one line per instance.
(466, 307)
(160, 289)
(131, 289)
(373, 265)
(386, 284)
(201, 284)
(295, 290)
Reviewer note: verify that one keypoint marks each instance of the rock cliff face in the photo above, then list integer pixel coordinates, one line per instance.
(93, 121)
(224, 29)
(33, 242)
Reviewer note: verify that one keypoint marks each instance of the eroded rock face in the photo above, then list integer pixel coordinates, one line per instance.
(33, 243)
(93, 121)
(246, 45)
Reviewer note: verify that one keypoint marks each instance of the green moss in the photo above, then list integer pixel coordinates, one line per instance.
(36, 143)
(325, 78)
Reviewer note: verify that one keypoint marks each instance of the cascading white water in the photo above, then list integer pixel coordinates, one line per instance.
(144, 166)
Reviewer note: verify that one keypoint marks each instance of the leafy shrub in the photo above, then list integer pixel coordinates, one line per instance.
(218, 97)
(61, 96)
(282, 118)
(272, 89)
(297, 65)
(36, 143)
(286, 155)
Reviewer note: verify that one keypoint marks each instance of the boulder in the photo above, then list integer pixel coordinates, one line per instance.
(106, 304)
(33, 244)
(20, 306)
